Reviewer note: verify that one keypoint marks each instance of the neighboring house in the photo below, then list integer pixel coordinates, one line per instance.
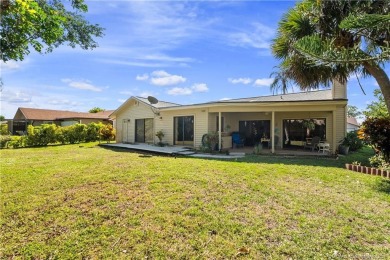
(352, 124)
(286, 120)
(34, 116)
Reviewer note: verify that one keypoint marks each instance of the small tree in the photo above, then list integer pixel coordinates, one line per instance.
(160, 135)
(107, 133)
(377, 108)
(375, 131)
(77, 133)
(4, 129)
(96, 110)
(92, 132)
(353, 111)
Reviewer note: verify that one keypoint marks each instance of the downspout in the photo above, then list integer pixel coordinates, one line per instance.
(334, 147)
(219, 131)
(273, 132)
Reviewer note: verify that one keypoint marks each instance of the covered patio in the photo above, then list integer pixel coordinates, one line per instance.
(277, 131)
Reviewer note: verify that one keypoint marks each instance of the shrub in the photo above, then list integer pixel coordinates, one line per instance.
(17, 141)
(92, 132)
(32, 136)
(352, 140)
(376, 132)
(378, 161)
(4, 129)
(76, 133)
(62, 135)
(4, 140)
(107, 133)
(210, 142)
(258, 148)
(41, 135)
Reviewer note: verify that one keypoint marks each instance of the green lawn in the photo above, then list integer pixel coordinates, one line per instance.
(90, 202)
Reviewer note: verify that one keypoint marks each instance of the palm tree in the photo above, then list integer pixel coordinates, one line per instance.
(322, 41)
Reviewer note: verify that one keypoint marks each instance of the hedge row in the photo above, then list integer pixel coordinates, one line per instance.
(51, 134)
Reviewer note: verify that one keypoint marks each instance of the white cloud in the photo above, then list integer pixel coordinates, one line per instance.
(63, 102)
(160, 73)
(200, 87)
(197, 87)
(121, 100)
(15, 96)
(157, 28)
(12, 65)
(258, 36)
(84, 85)
(142, 77)
(134, 63)
(146, 94)
(180, 91)
(240, 80)
(264, 82)
(163, 78)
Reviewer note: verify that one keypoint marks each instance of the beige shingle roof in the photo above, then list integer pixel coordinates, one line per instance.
(352, 121)
(48, 114)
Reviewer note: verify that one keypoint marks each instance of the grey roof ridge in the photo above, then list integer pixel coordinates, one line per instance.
(288, 94)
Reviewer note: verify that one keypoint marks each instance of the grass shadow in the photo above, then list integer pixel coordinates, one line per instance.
(383, 186)
(141, 153)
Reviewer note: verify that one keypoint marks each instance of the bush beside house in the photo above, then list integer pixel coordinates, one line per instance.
(51, 134)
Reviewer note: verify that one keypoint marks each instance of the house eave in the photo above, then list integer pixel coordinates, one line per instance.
(268, 104)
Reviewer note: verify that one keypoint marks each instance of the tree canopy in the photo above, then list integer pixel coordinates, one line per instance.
(321, 41)
(44, 25)
(377, 108)
(96, 110)
(353, 111)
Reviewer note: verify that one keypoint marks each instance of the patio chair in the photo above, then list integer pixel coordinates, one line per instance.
(313, 143)
(270, 142)
(237, 139)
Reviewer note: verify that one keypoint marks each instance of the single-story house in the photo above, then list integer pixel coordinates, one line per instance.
(286, 121)
(352, 124)
(35, 117)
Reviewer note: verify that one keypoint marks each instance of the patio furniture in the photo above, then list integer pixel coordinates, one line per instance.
(238, 140)
(313, 143)
(270, 141)
(324, 147)
(266, 141)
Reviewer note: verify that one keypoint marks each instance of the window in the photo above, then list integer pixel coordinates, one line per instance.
(295, 131)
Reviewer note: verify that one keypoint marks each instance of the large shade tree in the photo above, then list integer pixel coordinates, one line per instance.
(321, 41)
(44, 25)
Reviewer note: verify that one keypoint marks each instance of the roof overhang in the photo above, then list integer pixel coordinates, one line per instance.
(266, 105)
(127, 102)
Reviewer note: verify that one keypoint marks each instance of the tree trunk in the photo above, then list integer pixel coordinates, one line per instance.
(382, 79)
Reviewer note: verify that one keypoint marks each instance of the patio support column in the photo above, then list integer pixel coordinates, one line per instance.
(273, 132)
(219, 131)
(334, 145)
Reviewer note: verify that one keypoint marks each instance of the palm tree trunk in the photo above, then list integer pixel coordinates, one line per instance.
(382, 79)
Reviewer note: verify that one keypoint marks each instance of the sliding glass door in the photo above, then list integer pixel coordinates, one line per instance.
(184, 130)
(254, 130)
(144, 130)
(297, 131)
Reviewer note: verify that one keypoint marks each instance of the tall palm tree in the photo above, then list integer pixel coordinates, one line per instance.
(320, 41)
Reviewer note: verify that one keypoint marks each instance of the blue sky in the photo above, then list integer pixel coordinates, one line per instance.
(182, 52)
